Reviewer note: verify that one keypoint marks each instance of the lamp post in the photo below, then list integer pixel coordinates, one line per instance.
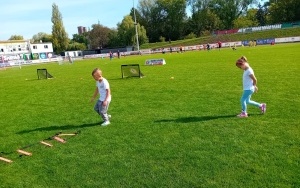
(136, 30)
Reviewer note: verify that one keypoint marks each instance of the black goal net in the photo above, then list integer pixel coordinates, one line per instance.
(43, 74)
(131, 70)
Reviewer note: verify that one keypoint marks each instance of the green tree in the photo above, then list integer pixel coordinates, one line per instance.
(261, 14)
(41, 36)
(163, 18)
(173, 14)
(135, 14)
(142, 33)
(284, 11)
(99, 36)
(82, 38)
(114, 40)
(204, 20)
(199, 10)
(138, 16)
(60, 39)
(16, 37)
(151, 19)
(230, 10)
(76, 46)
(249, 20)
(197, 5)
(127, 32)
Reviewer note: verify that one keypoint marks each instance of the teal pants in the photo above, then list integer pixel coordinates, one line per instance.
(246, 99)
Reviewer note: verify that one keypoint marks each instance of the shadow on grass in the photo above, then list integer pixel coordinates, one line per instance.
(32, 79)
(194, 119)
(59, 128)
(124, 79)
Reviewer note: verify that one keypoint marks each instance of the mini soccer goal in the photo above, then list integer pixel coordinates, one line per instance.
(43, 74)
(131, 70)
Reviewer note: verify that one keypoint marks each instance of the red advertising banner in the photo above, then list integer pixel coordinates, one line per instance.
(223, 32)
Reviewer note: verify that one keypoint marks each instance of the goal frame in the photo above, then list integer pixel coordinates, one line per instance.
(135, 70)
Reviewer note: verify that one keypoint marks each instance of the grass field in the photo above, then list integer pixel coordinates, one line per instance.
(164, 132)
(276, 33)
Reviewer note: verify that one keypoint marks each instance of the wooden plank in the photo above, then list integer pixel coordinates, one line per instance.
(71, 134)
(46, 143)
(6, 160)
(24, 152)
(59, 139)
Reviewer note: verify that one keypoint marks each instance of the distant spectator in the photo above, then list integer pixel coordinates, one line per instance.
(208, 46)
(219, 45)
(110, 55)
(70, 59)
(234, 46)
(250, 43)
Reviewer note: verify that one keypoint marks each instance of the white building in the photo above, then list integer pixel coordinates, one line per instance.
(14, 47)
(22, 51)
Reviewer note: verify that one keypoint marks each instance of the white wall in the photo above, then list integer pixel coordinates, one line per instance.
(14, 47)
(41, 47)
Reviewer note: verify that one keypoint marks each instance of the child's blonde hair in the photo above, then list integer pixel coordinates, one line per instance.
(242, 60)
(96, 70)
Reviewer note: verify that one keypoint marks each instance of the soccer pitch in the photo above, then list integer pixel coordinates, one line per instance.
(175, 127)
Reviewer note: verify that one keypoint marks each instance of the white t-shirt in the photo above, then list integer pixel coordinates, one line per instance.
(102, 87)
(247, 81)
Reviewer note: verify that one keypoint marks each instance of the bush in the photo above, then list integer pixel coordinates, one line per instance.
(190, 36)
(162, 39)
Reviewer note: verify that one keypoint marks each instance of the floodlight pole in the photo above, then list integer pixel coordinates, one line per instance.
(136, 30)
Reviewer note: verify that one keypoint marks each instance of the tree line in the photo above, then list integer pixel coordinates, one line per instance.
(170, 20)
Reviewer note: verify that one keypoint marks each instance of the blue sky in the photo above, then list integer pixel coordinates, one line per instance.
(29, 17)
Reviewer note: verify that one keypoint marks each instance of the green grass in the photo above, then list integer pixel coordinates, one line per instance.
(277, 33)
(179, 132)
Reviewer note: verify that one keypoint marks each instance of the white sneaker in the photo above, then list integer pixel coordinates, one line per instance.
(243, 115)
(105, 123)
